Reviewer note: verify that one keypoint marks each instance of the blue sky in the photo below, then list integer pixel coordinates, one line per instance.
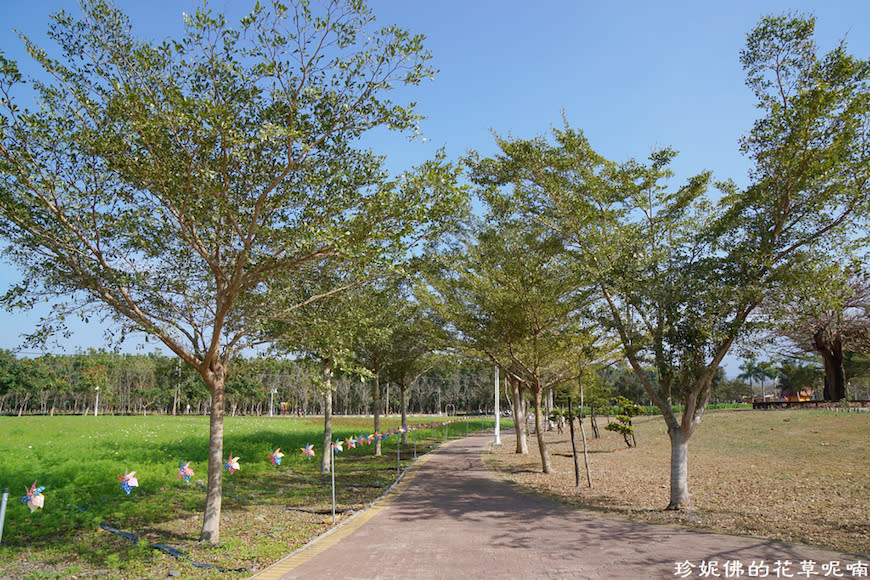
(633, 75)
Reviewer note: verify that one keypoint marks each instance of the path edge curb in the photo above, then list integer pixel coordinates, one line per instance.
(335, 534)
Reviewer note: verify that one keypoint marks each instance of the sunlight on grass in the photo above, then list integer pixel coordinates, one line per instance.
(267, 509)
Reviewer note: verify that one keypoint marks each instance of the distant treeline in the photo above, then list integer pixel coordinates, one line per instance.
(153, 383)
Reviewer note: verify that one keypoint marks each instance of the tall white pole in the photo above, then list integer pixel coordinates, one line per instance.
(332, 476)
(97, 402)
(3, 499)
(497, 412)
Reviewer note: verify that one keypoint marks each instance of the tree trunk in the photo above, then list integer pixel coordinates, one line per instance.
(679, 469)
(582, 433)
(376, 395)
(539, 431)
(835, 375)
(593, 420)
(573, 441)
(216, 379)
(519, 418)
(326, 453)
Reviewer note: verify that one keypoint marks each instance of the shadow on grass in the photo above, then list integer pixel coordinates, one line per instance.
(167, 510)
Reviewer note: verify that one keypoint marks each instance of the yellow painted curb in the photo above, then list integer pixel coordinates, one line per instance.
(343, 530)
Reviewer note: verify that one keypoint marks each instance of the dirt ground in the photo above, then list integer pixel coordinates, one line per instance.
(795, 476)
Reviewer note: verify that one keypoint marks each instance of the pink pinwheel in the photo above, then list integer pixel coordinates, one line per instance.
(351, 442)
(370, 439)
(33, 497)
(184, 471)
(128, 482)
(232, 464)
(308, 451)
(276, 456)
(362, 440)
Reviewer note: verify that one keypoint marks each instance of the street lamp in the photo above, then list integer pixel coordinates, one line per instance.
(272, 394)
(96, 401)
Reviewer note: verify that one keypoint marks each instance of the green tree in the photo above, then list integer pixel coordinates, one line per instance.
(623, 425)
(413, 342)
(597, 398)
(14, 383)
(621, 380)
(795, 375)
(168, 185)
(725, 390)
(755, 370)
(830, 325)
(679, 275)
(324, 331)
(375, 349)
(510, 297)
(857, 369)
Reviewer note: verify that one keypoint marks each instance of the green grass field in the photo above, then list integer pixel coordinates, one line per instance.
(78, 460)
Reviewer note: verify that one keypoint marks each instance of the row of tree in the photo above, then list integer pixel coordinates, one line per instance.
(215, 193)
(152, 383)
(155, 384)
(582, 261)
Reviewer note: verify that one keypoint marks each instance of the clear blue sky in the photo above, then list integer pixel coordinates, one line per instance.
(634, 75)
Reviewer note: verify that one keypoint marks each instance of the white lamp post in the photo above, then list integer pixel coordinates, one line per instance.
(272, 394)
(96, 401)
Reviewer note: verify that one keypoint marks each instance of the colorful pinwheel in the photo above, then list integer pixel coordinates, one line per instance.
(351, 442)
(128, 482)
(232, 464)
(362, 440)
(276, 456)
(33, 497)
(371, 438)
(336, 445)
(308, 451)
(184, 471)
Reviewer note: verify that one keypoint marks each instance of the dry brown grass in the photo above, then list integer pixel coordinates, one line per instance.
(795, 476)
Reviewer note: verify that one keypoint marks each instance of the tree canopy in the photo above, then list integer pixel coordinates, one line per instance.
(173, 187)
(679, 274)
(508, 295)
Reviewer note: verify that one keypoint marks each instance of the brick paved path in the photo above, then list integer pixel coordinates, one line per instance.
(452, 518)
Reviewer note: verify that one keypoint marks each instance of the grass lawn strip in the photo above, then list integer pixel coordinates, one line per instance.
(261, 524)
